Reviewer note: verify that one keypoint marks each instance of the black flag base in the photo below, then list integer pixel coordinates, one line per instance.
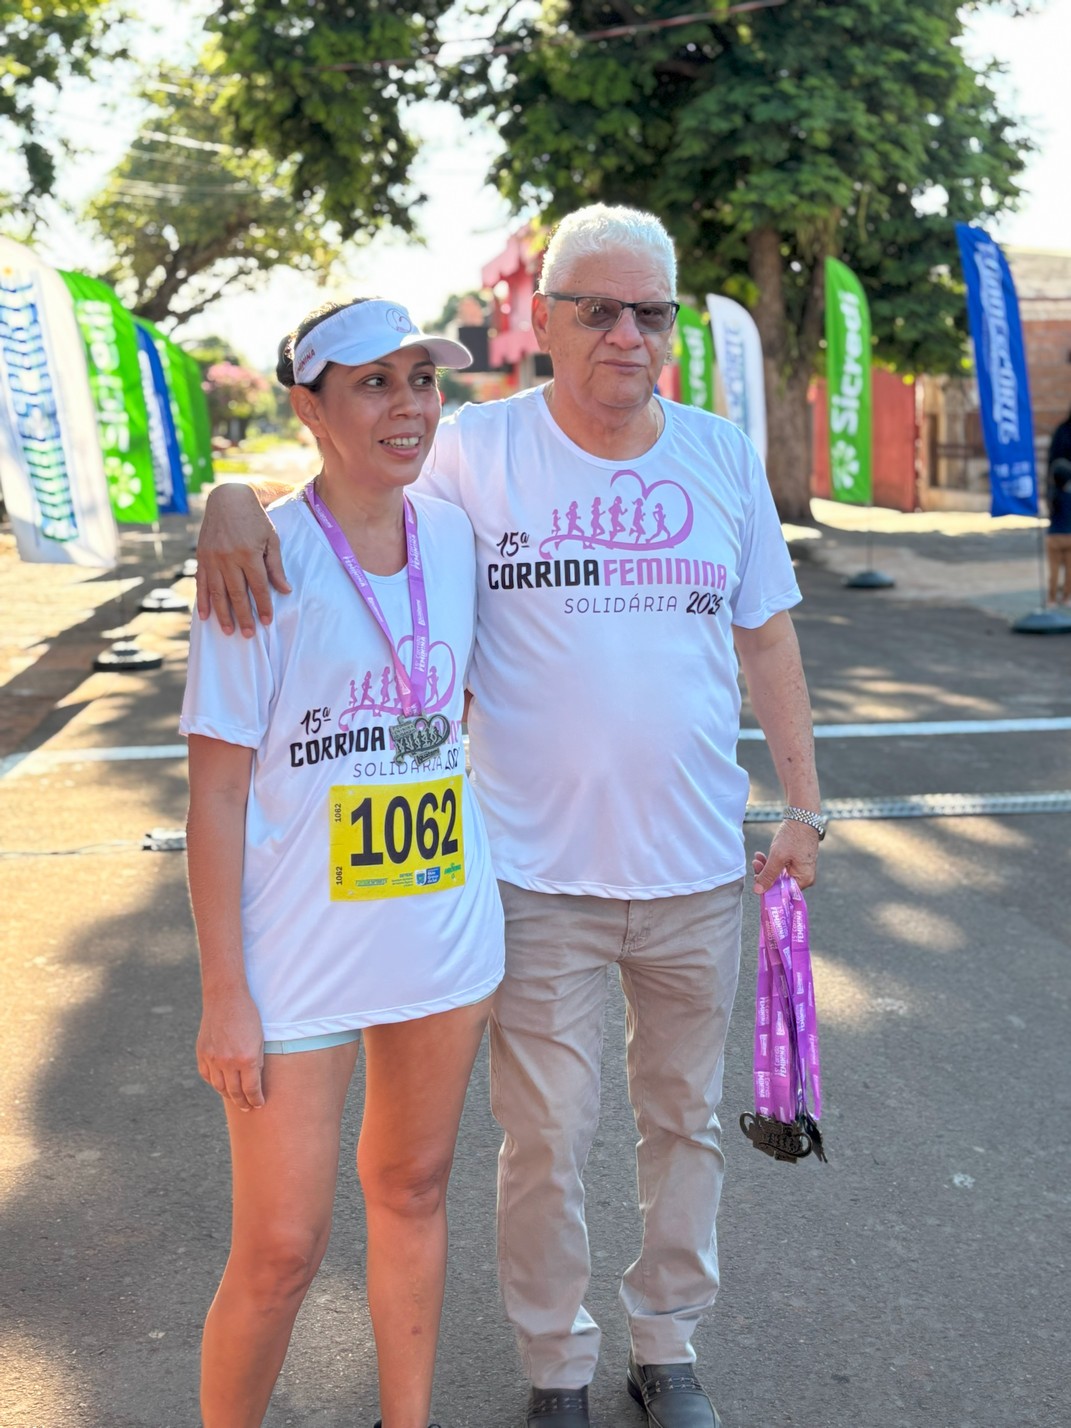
(124, 656)
(165, 601)
(869, 580)
(1053, 621)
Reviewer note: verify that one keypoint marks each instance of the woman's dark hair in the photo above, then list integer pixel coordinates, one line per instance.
(284, 367)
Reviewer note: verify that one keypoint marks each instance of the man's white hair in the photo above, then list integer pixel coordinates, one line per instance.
(599, 227)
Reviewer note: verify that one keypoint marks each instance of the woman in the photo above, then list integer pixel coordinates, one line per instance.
(339, 871)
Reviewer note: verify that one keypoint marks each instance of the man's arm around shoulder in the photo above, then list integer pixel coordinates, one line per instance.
(238, 555)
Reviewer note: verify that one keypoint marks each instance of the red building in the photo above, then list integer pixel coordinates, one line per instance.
(512, 278)
(893, 440)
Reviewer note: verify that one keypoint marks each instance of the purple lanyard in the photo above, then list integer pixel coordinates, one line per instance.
(786, 1020)
(412, 688)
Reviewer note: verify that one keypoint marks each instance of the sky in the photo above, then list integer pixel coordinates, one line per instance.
(466, 224)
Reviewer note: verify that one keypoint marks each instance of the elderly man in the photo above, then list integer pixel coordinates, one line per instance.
(625, 544)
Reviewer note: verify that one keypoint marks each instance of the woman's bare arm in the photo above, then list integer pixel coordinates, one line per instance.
(230, 1044)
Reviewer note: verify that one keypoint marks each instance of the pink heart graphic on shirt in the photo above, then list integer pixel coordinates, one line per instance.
(621, 524)
(442, 672)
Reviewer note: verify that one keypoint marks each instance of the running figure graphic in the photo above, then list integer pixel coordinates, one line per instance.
(384, 690)
(357, 702)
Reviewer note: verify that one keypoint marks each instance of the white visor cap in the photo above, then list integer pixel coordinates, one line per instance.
(364, 332)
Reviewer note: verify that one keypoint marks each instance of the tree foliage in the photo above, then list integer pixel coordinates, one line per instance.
(206, 351)
(237, 393)
(766, 141)
(300, 116)
(188, 214)
(40, 46)
(323, 87)
(452, 309)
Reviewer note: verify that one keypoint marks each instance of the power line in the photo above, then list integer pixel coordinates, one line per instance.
(174, 160)
(184, 143)
(176, 190)
(484, 45)
(616, 32)
(133, 190)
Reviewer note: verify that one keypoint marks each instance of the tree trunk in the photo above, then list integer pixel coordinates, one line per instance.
(788, 454)
(788, 460)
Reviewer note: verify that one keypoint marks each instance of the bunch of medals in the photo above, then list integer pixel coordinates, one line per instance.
(787, 1072)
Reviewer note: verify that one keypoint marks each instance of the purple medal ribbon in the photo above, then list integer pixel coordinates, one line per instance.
(412, 688)
(787, 1070)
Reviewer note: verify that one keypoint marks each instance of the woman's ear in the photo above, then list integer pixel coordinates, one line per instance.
(306, 407)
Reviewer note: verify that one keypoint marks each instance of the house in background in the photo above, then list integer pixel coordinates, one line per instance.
(512, 278)
(481, 382)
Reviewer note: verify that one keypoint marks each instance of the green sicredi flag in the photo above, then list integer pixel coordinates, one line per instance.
(202, 424)
(695, 349)
(184, 406)
(111, 347)
(848, 383)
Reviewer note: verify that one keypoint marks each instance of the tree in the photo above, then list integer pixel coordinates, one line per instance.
(236, 395)
(188, 213)
(766, 141)
(40, 46)
(452, 309)
(206, 351)
(453, 389)
(323, 88)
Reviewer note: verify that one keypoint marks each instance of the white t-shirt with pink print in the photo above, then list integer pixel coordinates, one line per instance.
(606, 708)
(368, 894)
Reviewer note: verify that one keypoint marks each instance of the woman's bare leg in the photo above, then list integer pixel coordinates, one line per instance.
(284, 1160)
(417, 1073)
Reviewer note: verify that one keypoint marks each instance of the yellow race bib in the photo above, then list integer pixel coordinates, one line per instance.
(393, 840)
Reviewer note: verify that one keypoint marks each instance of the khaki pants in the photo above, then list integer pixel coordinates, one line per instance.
(1058, 549)
(679, 962)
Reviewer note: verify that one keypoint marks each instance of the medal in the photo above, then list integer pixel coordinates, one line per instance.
(419, 738)
(774, 1137)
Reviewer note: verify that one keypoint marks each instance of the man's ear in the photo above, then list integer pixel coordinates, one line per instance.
(541, 320)
(306, 407)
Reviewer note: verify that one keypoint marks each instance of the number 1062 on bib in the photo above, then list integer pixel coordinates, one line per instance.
(391, 840)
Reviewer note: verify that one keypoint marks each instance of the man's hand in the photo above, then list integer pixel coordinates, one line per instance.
(230, 1050)
(238, 557)
(794, 850)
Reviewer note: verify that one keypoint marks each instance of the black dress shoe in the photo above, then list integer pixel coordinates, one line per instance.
(672, 1396)
(558, 1408)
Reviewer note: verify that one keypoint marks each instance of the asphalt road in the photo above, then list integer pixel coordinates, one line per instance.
(917, 1281)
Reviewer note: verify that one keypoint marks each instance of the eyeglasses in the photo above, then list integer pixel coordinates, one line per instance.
(603, 313)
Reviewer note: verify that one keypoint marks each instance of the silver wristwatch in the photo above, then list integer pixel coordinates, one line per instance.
(804, 815)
